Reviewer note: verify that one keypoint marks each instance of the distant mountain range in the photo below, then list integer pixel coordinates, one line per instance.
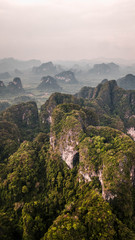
(10, 64)
(104, 69)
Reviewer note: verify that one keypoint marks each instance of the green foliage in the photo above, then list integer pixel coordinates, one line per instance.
(66, 227)
(24, 170)
(54, 100)
(89, 217)
(25, 116)
(9, 139)
(40, 197)
(113, 153)
(8, 229)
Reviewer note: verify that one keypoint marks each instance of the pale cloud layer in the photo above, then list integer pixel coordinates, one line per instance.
(67, 29)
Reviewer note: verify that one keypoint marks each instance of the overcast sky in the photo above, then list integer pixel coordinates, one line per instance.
(67, 29)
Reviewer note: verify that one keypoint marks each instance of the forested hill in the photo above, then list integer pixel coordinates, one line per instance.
(68, 171)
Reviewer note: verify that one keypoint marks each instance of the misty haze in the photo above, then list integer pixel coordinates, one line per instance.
(67, 120)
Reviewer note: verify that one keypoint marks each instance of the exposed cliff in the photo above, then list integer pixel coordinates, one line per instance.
(49, 83)
(47, 108)
(66, 77)
(114, 104)
(76, 181)
(13, 88)
(45, 69)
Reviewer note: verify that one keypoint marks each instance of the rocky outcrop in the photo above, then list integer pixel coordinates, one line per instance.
(97, 150)
(49, 84)
(85, 92)
(66, 77)
(47, 108)
(45, 69)
(114, 105)
(127, 82)
(109, 165)
(14, 87)
(65, 137)
(131, 132)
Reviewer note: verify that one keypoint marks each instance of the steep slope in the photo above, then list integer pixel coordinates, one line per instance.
(9, 139)
(13, 88)
(47, 108)
(49, 83)
(69, 121)
(25, 116)
(105, 70)
(66, 77)
(45, 69)
(47, 200)
(127, 82)
(78, 180)
(101, 152)
(116, 103)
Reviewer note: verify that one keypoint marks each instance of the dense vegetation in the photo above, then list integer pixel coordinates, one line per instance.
(69, 171)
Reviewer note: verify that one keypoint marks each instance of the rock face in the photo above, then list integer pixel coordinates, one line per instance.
(127, 82)
(45, 69)
(65, 138)
(104, 155)
(14, 87)
(114, 105)
(67, 125)
(85, 92)
(47, 108)
(97, 150)
(49, 84)
(102, 165)
(82, 184)
(66, 77)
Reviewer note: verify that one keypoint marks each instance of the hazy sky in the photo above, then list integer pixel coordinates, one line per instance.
(67, 29)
